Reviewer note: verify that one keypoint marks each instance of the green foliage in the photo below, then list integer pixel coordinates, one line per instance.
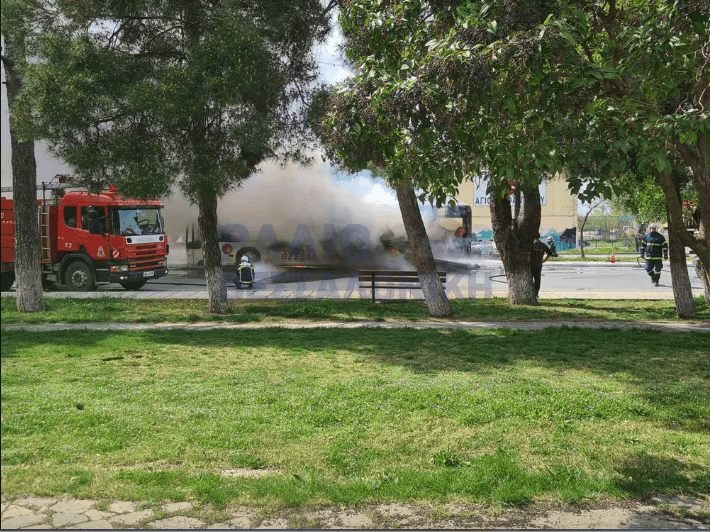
(644, 198)
(518, 88)
(193, 93)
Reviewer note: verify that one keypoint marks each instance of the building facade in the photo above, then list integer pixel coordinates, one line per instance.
(559, 205)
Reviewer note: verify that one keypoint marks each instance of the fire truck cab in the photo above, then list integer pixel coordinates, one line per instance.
(88, 239)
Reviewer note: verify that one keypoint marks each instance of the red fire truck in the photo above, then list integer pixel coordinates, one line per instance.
(88, 239)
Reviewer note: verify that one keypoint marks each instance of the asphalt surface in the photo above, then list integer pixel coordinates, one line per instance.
(481, 278)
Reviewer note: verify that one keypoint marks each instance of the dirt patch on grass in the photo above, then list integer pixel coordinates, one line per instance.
(655, 513)
(245, 472)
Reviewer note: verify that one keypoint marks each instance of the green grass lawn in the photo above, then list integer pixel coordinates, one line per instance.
(113, 309)
(346, 416)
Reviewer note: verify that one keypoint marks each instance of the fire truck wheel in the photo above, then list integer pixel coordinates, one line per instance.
(133, 285)
(79, 277)
(7, 279)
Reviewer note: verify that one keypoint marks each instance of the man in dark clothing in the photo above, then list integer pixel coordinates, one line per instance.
(553, 247)
(539, 254)
(93, 220)
(654, 249)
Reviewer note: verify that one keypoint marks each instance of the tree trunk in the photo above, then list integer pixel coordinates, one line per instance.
(434, 294)
(682, 290)
(581, 231)
(700, 242)
(513, 238)
(704, 278)
(28, 252)
(207, 221)
(698, 158)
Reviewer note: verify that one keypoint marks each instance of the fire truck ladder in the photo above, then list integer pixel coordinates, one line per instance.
(56, 188)
(45, 237)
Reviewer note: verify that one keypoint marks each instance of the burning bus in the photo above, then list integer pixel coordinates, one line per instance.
(327, 246)
(302, 246)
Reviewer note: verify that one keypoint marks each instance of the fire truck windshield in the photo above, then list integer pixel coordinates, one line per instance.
(142, 221)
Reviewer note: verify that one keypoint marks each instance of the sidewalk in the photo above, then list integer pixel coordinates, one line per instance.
(659, 512)
(329, 324)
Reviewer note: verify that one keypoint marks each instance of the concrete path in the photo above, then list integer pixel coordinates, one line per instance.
(659, 512)
(423, 324)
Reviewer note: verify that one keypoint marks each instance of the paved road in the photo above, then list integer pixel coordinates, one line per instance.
(483, 278)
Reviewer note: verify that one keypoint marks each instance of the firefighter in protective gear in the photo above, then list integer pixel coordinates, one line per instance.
(245, 273)
(553, 247)
(539, 253)
(654, 249)
(460, 239)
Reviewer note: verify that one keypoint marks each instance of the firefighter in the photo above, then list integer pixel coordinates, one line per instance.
(245, 273)
(93, 220)
(654, 249)
(460, 239)
(539, 253)
(553, 247)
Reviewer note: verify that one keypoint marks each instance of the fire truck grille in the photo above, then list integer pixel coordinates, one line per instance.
(142, 251)
(145, 256)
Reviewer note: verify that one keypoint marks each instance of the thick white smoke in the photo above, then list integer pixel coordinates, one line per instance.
(285, 197)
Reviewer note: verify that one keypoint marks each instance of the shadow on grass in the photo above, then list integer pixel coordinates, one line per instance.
(654, 311)
(669, 372)
(644, 474)
(107, 309)
(672, 369)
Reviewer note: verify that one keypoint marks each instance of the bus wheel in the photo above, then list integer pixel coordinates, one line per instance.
(79, 277)
(6, 280)
(133, 285)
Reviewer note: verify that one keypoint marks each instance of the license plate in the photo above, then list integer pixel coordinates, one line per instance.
(148, 274)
